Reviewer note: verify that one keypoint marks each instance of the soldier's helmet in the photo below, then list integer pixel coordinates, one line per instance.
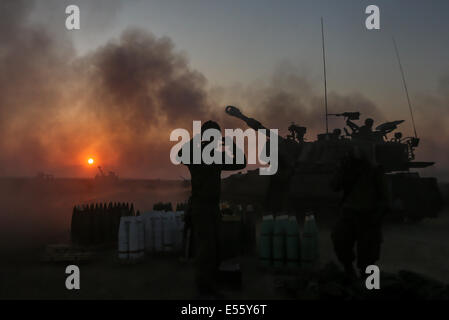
(210, 125)
(369, 122)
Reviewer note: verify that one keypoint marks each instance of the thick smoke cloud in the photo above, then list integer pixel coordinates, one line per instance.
(290, 97)
(139, 90)
(118, 103)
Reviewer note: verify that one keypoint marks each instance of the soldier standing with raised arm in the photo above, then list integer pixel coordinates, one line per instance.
(363, 205)
(205, 199)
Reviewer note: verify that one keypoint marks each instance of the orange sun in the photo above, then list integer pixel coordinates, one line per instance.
(90, 161)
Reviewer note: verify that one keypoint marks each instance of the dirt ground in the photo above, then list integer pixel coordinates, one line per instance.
(33, 216)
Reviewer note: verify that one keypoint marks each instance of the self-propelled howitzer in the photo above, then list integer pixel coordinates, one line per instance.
(306, 168)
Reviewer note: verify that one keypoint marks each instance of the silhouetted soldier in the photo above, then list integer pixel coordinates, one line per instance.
(362, 208)
(363, 132)
(206, 189)
(189, 244)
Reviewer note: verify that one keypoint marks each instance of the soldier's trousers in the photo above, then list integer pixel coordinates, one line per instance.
(206, 221)
(358, 230)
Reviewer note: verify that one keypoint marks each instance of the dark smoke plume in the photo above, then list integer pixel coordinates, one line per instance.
(289, 97)
(117, 104)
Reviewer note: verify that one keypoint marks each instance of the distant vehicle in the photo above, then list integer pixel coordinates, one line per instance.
(42, 176)
(110, 178)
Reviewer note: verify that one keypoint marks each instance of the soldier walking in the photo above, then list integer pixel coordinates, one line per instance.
(363, 206)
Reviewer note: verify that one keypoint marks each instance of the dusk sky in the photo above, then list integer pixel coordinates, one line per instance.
(238, 46)
(243, 41)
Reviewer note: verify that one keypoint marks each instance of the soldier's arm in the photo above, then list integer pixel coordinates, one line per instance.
(237, 153)
(352, 125)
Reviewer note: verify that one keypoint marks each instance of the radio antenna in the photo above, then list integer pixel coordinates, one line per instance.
(405, 86)
(325, 75)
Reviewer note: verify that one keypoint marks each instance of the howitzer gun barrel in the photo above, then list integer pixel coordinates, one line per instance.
(349, 115)
(252, 123)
